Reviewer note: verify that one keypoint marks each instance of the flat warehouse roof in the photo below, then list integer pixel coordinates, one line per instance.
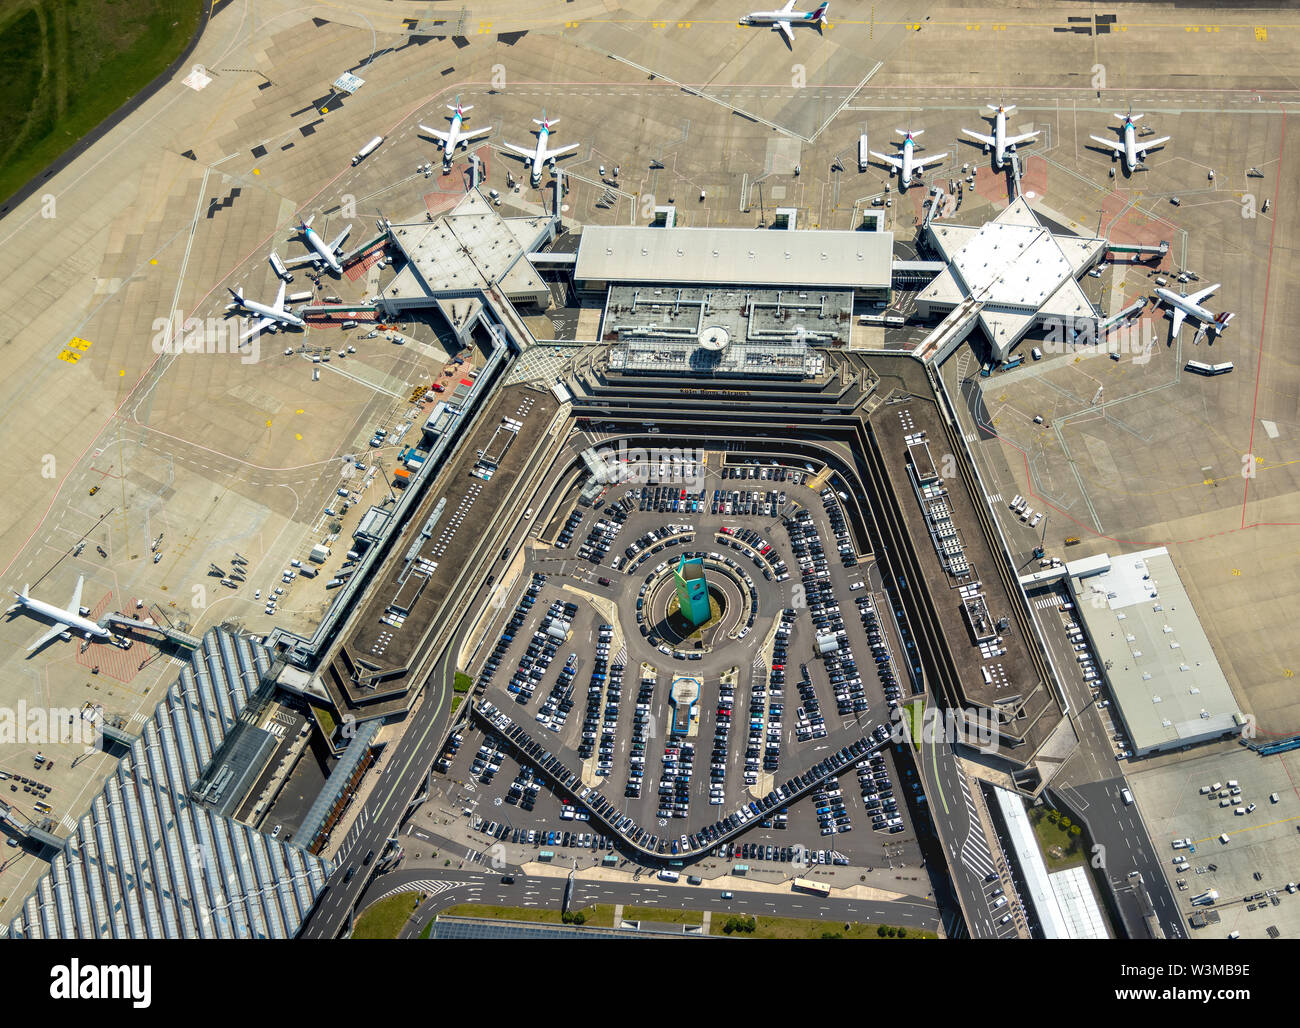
(1167, 682)
(760, 257)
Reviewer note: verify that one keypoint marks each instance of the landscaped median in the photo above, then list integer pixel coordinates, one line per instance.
(602, 916)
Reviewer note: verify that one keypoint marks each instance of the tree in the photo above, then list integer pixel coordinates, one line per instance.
(1076, 830)
(882, 931)
(579, 918)
(902, 933)
(830, 935)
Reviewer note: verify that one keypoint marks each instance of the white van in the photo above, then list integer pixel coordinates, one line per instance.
(1001, 901)
(1036, 353)
(1126, 796)
(668, 876)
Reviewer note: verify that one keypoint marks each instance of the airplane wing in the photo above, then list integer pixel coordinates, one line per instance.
(437, 134)
(786, 31)
(519, 150)
(892, 161)
(1117, 147)
(279, 298)
(1141, 148)
(74, 604)
(986, 140)
(552, 154)
(298, 262)
(921, 162)
(338, 240)
(1202, 294)
(259, 325)
(53, 633)
(1179, 316)
(788, 7)
(1014, 140)
(476, 133)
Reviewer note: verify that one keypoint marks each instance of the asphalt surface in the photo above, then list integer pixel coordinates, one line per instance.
(449, 887)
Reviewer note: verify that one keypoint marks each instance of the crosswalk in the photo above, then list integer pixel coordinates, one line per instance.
(995, 498)
(1043, 602)
(975, 849)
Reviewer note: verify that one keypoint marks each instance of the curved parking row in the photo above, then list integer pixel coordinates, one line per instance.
(646, 845)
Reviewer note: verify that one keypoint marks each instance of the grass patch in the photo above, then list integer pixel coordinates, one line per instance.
(325, 719)
(383, 920)
(601, 916)
(456, 701)
(662, 916)
(800, 928)
(70, 63)
(463, 682)
(915, 714)
(1062, 842)
(427, 929)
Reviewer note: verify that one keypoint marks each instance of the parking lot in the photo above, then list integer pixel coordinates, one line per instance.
(685, 726)
(1227, 820)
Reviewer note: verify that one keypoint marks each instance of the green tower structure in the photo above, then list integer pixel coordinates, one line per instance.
(692, 590)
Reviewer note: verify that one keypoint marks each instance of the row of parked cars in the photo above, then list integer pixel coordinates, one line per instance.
(668, 499)
(675, 785)
(840, 526)
(878, 794)
(832, 816)
(640, 738)
(601, 537)
(524, 789)
(570, 528)
(775, 704)
(750, 502)
(763, 473)
(537, 657)
(879, 651)
(516, 622)
(487, 762)
(554, 711)
(721, 731)
(768, 561)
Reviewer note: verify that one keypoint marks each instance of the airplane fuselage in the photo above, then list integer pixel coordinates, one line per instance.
(75, 622)
(318, 244)
(1194, 310)
(539, 155)
(1130, 145)
(905, 173)
(283, 317)
(453, 137)
(1000, 137)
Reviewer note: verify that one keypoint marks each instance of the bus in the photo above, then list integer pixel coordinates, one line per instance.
(546, 855)
(807, 885)
(1209, 369)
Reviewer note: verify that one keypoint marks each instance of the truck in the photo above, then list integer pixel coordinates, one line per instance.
(1072, 541)
(302, 297)
(367, 150)
(863, 153)
(278, 267)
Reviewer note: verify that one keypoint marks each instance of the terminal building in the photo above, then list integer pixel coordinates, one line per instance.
(1007, 276)
(1167, 683)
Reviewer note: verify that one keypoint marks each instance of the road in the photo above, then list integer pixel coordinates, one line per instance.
(450, 886)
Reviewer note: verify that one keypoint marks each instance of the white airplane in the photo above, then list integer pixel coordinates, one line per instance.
(321, 252)
(1000, 141)
(1130, 149)
(269, 317)
(907, 162)
(65, 620)
(454, 137)
(787, 17)
(540, 155)
(1182, 305)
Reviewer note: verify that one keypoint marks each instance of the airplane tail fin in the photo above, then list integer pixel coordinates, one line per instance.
(307, 222)
(23, 594)
(1130, 116)
(1008, 108)
(238, 294)
(1221, 321)
(819, 15)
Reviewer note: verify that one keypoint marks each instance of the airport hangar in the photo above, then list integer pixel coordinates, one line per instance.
(1168, 686)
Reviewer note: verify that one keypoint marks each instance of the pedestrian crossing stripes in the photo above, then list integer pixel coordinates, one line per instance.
(995, 498)
(975, 849)
(1042, 603)
(67, 823)
(430, 885)
(139, 718)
